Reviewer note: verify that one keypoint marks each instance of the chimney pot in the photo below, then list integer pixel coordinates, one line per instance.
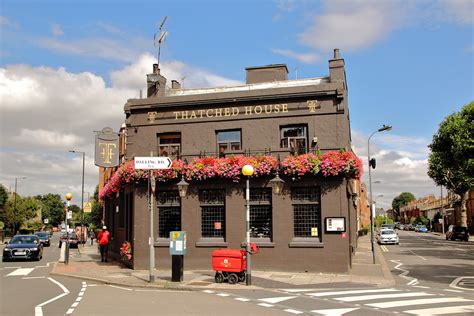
(175, 84)
(337, 55)
(156, 69)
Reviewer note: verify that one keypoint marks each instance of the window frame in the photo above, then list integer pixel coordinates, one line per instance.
(228, 143)
(160, 144)
(289, 139)
(173, 201)
(205, 203)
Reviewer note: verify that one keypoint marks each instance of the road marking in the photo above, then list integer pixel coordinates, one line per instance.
(457, 281)
(274, 300)
(416, 254)
(293, 311)
(379, 296)
(413, 281)
(241, 299)
(456, 291)
(223, 294)
(418, 302)
(334, 311)
(21, 271)
(30, 278)
(384, 249)
(208, 291)
(421, 287)
(442, 310)
(298, 290)
(351, 292)
(39, 309)
(265, 305)
(120, 288)
(78, 298)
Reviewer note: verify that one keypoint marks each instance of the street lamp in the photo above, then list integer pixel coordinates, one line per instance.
(182, 187)
(82, 193)
(68, 198)
(247, 171)
(372, 165)
(14, 205)
(277, 184)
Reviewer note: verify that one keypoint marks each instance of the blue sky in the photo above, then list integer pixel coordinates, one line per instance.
(75, 63)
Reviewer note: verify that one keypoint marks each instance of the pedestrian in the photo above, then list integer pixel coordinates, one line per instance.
(103, 240)
(92, 236)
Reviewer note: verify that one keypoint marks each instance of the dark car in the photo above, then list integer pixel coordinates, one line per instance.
(73, 241)
(457, 232)
(44, 237)
(23, 247)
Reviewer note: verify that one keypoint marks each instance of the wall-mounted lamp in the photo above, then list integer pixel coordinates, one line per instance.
(182, 187)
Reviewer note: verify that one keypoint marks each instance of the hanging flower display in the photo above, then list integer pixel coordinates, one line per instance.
(334, 163)
(126, 250)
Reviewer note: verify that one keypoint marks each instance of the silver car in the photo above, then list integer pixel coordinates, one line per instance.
(388, 236)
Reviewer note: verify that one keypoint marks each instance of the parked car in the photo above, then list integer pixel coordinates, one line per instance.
(422, 229)
(44, 238)
(457, 232)
(73, 241)
(387, 236)
(23, 247)
(388, 226)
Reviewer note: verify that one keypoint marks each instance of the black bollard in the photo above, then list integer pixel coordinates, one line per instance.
(177, 268)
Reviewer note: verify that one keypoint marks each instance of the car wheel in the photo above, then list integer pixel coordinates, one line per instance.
(219, 277)
(233, 278)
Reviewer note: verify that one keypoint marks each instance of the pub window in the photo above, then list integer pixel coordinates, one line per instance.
(306, 212)
(228, 141)
(294, 137)
(212, 204)
(169, 212)
(261, 213)
(169, 145)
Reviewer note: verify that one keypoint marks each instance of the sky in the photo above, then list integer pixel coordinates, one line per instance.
(68, 67)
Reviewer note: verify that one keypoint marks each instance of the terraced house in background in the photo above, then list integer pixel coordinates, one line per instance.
(297, 130)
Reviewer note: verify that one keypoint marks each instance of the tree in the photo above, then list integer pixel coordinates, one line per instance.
(26, 209)
(401, 200)
(451, 161)
(3, 196)
(53, 208)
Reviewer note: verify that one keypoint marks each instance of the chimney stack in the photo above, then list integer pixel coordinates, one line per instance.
(175, 85)
(336, 67)
(155, 83)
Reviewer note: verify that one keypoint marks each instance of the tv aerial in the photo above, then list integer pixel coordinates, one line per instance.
(159, 38)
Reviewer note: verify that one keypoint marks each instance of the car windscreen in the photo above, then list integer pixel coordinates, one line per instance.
(24, 240)
(387, 232)
(42, 234)
(458, 229)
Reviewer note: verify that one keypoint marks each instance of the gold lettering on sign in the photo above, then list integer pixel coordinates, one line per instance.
(284, 108)
(107, 151)
(248, 110)
(312, 105)
(151, 116)
(232, 111)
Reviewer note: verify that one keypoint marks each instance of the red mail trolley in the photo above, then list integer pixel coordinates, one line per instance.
(230, 264)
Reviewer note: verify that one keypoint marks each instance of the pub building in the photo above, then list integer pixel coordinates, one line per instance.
(294, 132)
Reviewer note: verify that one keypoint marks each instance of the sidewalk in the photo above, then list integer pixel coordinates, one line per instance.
(84, 263)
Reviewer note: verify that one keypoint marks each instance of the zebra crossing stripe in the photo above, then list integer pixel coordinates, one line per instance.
(293, 311)
(334, 311)
(321, 294)
(442, 310)
(22, 271)
(274, 300)
(418, 302)
(379, 296)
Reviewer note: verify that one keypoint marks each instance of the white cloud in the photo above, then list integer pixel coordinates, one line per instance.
(402, 165)
(308, 58)
(46, 112)
(458, 11)
(122, 50)
(352, 25)
(56, 29)
(6, 22)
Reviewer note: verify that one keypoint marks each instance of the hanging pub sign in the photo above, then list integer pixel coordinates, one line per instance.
(106, 148)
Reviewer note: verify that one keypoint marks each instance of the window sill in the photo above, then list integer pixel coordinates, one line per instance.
(211, 242)
(301, 242)
(260, 242)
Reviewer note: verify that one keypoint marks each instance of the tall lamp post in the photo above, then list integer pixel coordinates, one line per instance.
(372, 165)
(82, 193)
(68, 198)
(247, 171)
(14, 205)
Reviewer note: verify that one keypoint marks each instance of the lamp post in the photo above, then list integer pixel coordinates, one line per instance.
(68, 199)
(82, 194)
(372, 165)
(14, 205)
(247, 171)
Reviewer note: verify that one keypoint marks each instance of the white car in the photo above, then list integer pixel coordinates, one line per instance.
(388, 236)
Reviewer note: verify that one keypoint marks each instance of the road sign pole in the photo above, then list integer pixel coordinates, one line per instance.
(151, 197)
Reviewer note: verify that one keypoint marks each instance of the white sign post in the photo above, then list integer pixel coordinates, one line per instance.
(152, 163)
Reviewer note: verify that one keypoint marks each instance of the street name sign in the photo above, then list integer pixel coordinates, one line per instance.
(151, 163)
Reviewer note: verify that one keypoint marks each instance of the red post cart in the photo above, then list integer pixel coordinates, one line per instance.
(230, 264)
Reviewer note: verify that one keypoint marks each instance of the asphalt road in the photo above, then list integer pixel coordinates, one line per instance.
(429, 260)
(432, 277)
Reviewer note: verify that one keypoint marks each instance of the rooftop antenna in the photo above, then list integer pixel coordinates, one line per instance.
(157, 40)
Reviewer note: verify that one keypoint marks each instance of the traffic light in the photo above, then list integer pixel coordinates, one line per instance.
(372, 163)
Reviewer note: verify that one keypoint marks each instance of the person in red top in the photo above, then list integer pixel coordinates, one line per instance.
(103, 239)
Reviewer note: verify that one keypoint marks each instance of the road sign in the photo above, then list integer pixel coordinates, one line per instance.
(69, 215)
(87, 207)
(150, 163)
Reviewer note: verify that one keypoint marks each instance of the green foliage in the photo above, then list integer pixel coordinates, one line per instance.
(53, 208)
(3, 196)
(401, 200)
(94, 217)
(451, 161)
(2, 225)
